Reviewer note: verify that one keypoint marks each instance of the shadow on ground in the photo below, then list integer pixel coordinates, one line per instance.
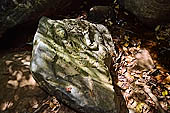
(19, 93)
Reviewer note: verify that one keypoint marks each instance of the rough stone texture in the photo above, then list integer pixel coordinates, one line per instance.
(14, 12)
(150, 12)
(70, 60)
(23, 12)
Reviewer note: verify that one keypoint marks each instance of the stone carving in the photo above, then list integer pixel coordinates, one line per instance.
(70, 59)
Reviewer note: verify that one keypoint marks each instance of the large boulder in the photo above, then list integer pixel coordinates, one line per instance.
(150, 12)
(23, 12)
(15, 12)
(71, 59)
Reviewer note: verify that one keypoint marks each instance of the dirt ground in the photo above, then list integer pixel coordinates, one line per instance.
(19, 91)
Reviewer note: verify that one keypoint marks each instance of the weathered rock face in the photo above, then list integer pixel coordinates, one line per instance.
(14, 12)
(150, 12)
(17, 12)
(70, 60)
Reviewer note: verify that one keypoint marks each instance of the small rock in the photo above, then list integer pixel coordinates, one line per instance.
(144, 60)
(98, 14)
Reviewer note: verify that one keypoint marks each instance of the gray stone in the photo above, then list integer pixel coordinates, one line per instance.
(150, 12)
(16, 12)
(70, 59)
(99, 14)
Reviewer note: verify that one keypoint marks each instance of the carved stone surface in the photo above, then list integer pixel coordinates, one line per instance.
(70, 60)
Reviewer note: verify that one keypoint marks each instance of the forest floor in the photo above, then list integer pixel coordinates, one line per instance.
(19, 91)
(142, 69)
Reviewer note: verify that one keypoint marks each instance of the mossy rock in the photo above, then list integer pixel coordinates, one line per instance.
(70, 60)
